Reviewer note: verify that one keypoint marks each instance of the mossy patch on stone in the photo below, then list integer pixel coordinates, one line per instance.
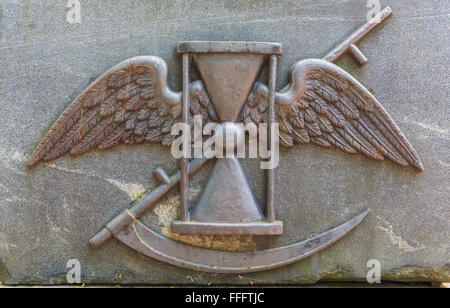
(417, 273)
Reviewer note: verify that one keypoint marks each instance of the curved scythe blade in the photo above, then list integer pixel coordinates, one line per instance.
(152, 244)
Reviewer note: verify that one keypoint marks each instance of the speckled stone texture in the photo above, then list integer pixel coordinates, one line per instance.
(48, 214)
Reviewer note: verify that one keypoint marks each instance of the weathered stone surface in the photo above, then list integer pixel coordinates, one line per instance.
(48, 214)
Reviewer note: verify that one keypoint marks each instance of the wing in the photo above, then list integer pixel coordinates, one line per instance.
(255, 106)
(200, 104)
(326, 106)
(130, 103)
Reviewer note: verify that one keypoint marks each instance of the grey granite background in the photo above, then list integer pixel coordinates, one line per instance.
(48, 214)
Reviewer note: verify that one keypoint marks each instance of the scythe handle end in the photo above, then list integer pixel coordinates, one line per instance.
(100, 238)
(349, 44)
(125, 218)
(112, 228)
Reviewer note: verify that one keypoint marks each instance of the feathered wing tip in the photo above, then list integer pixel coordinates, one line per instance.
(130, 103)
(200, 104)
(326, 106)
(71, 115)
(256, 105)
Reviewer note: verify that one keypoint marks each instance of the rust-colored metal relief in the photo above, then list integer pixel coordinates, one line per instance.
(132, 103)
(326, 106)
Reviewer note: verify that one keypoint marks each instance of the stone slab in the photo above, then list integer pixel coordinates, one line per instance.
(48, 214)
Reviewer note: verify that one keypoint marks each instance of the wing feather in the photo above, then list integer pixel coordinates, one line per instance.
(95, 136)
(117, 136)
